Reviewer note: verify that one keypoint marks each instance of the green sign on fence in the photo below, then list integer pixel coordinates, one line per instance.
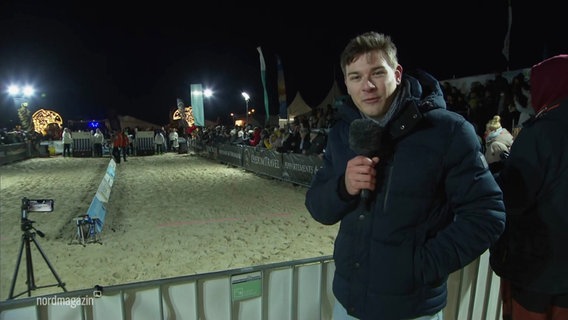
(246, 286)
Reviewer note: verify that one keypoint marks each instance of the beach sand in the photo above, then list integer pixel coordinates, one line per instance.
(168, 215)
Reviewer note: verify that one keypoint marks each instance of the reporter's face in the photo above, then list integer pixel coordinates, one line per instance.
(371, 83)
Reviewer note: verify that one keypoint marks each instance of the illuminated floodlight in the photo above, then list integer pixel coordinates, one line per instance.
(15, 90)
(207, 93)
(247, 98)
(28, 91)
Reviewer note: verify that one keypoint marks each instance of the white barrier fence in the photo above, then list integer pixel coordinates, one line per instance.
(294, 290)
(82, 145)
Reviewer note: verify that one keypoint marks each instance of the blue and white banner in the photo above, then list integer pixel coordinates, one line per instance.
(283, 110)
(263, 77)
(197, 104)
(98, 210)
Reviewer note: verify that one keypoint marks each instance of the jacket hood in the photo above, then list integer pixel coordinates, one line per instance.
(425, 88)
(549, 83)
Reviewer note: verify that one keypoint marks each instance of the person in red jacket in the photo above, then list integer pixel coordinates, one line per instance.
(119, 144)
(124, 143)
(255, 139)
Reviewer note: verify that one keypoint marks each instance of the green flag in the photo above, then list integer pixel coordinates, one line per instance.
(197, 104)
(263, 77)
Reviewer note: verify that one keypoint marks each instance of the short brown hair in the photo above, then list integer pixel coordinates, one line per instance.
(367, 42)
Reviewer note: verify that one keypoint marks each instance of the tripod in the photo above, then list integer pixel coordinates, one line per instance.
(28, 237)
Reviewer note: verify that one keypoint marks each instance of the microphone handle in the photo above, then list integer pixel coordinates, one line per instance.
(365, 193)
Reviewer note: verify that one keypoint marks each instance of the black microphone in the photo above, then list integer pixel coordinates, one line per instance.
(365, 139)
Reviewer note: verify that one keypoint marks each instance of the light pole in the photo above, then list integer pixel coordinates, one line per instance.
(20, 96)
(247, 98)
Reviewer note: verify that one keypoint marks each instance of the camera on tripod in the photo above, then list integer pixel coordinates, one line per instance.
(28, 238)
(36, 205)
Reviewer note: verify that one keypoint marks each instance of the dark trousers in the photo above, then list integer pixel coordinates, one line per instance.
(67, 149)
(124, 152)
(98, 148)
(116, 154)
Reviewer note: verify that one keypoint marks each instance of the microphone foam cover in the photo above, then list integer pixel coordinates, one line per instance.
(365, 137)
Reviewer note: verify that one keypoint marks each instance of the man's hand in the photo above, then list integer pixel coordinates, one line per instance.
(360, 174)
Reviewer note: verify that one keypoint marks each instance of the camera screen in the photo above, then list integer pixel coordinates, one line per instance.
(43, 205)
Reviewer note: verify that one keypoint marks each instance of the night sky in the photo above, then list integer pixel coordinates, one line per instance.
(87, 59)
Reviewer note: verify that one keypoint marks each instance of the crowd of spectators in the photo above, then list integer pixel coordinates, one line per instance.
(17, 136)
(510, 101)
(307, 134)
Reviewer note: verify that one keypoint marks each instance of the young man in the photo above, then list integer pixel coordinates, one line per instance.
(531, 256)
(432, 205)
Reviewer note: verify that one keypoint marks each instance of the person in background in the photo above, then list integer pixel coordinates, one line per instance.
(116, 139)
(317, 143)
(160, 142)
(531, 256)
(256, 137)
(124, 143)
(430, 207)
(290, 139)
(305, 142)
(98, 140)
(166, 137)
(67, 140)
(174, 139)
(522, 99)
(498, 142)
(275, 139)
(132, 139)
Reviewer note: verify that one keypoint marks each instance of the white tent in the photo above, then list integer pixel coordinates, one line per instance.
(333, 95)
(298, 107)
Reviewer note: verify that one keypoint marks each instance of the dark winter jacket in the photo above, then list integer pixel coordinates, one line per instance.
(532, 252)
(436, 208)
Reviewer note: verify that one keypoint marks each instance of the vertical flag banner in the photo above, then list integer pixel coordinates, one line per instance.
(507, 41)
(197, 104)
(263, 77)
(283, 110)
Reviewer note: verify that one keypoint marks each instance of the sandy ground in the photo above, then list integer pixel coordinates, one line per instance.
(168, 215)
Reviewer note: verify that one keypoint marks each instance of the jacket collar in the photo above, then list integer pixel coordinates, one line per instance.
(418, 94)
